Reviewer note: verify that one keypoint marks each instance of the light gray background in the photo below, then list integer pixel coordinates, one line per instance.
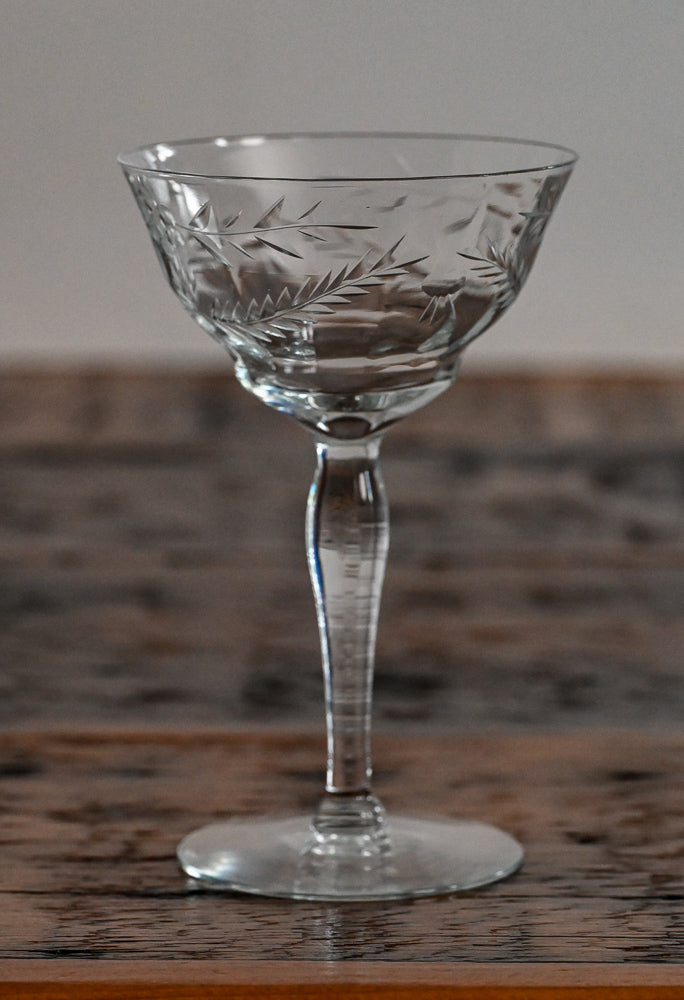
(82, 79)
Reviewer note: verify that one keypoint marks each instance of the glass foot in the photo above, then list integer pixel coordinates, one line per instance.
(282, 857)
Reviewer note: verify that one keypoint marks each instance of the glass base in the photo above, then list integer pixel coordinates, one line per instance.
(282, 857)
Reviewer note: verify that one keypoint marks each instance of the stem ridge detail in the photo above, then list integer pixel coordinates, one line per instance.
(347, 534)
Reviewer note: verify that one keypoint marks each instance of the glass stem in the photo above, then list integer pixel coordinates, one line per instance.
(347, 534)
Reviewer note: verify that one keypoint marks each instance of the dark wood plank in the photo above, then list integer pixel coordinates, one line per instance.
(153, 585)
(152, 569)
(90, 824)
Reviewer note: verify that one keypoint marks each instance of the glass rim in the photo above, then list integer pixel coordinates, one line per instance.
(566, 157)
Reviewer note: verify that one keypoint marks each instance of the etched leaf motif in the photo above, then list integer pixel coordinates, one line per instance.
(280, 247)
(500, 268)
(269, 231)
(271, 215)
(286, 303)
(318, 297)
(442, 295)
(202, 213)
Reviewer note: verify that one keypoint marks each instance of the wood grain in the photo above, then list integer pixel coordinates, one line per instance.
(159, 668)
(90, 824)
(152, 566)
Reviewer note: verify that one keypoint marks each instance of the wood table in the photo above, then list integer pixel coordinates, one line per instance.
(159, 668)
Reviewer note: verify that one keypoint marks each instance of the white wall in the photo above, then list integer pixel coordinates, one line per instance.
(82, 79)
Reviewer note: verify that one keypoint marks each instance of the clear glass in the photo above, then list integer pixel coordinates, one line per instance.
(345, 274)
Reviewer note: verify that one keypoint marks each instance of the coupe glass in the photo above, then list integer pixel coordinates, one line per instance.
(345, 274)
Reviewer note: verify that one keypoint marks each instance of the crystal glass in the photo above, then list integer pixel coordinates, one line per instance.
(345, 274)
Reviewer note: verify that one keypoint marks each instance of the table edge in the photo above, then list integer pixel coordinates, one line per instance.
(265, 972)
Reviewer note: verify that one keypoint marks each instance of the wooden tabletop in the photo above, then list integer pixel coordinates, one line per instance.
(159, 668)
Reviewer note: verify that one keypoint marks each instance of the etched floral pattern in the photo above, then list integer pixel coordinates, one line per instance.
(292, 284)
(168, 239)
(282, 309)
